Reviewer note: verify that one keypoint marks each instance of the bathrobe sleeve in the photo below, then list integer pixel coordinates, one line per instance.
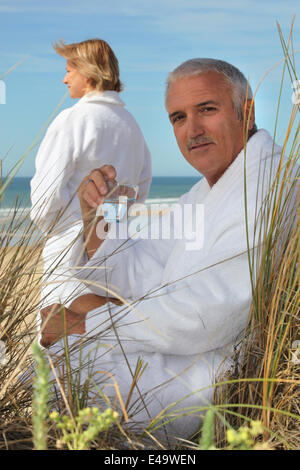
(55, 163)
(205, 310)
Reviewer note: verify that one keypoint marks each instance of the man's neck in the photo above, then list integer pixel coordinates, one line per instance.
(214, 180)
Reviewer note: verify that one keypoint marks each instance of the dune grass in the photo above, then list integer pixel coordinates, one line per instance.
(266, 385)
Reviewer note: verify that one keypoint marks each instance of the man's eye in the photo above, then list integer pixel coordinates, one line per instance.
(207, 109)
(177, 118)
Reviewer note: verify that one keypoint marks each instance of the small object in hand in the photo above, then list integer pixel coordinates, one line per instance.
(117, 201)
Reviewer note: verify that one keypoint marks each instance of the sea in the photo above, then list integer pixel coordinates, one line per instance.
(15, 202)
(163, 189)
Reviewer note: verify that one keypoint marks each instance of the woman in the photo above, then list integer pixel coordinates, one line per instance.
(97, 130)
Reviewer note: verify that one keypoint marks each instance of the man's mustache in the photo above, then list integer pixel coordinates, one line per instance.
(199, 140)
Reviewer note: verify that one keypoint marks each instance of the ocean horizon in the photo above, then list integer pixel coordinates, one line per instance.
(163, 189)
(15, 202)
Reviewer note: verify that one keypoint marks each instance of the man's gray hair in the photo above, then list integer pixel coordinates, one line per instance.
(238, 83)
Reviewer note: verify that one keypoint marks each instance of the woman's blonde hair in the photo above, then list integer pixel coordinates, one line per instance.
(95, 60)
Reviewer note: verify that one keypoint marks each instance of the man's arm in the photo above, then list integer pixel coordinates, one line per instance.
(85, 303)
(91, 194)
(58, 321)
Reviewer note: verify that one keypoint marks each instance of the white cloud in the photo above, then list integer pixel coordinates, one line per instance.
(243, 10)
(193, 19)
(215, 18)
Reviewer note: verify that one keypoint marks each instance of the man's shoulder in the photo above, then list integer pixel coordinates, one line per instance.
(261, 146)
(196, 193)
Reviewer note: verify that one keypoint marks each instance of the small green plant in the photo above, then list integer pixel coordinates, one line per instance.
(79, 432)
(40, 400)
(244, 437)
(207, 435)
(241, 439)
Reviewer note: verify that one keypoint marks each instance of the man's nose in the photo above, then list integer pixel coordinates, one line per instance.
(65, 80)
(194, 126)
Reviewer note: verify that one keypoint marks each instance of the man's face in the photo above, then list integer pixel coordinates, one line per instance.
(206, 126)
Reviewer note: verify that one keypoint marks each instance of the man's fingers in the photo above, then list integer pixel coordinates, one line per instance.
(94, 187)
(101, 176)
(58, 321)
(50, 311)
(91, 195)
(109, 172)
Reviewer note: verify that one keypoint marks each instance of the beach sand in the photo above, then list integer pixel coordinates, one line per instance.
(20, 288)
(20, 285)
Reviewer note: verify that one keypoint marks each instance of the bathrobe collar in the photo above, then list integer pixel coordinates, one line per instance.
(258, 148)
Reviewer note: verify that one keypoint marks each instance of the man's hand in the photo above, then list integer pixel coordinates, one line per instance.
(91, 193)
(93, 188)
(58, 321)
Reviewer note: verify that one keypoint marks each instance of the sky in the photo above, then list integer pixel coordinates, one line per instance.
(150, 38)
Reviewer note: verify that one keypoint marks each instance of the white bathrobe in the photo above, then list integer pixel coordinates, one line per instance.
(195, 301)
(97, 130)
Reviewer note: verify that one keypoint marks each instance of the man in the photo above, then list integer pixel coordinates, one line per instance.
(182, 310)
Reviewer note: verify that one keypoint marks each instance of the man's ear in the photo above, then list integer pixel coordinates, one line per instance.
(249, 111)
